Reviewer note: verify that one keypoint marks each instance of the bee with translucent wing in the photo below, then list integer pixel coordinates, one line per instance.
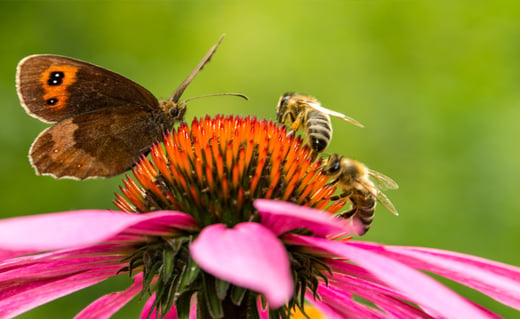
(304, 111)
(362, 186)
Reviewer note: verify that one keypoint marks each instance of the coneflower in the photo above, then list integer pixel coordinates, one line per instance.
(232, 218)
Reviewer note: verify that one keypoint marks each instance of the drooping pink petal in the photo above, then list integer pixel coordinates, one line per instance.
(193, 310)
(57, 268)
(248, 255)
(342, 267)
(281, 217)
(497, 280)
(353, 278)
(18, 297)
(387, 299)
(64, 261)
(145, 313)
(107, 305)
(342, 303)
(263, 311)
(327, 311)
(416, 286)
(79, 228)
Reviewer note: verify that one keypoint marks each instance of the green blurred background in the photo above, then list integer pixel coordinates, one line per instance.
(436, 83)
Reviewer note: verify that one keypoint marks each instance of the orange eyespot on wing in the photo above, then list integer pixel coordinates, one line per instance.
(55, 83)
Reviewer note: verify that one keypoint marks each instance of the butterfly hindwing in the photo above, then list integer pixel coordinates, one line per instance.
(97, 148)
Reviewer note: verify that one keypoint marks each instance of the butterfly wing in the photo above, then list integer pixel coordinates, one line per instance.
(97, 147)
(52, 87)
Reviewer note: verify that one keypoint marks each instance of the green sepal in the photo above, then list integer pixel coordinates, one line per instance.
(183, 304)
(237, 294)
(166, 270)
(189, 275)
(222, 287)
(253, 311)
(213, 303)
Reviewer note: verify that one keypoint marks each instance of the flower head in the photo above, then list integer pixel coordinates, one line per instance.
(233, 218)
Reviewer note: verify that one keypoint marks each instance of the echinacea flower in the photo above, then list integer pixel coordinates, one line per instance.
(232, 219)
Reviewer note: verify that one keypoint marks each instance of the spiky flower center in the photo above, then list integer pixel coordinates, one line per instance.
(214, 170)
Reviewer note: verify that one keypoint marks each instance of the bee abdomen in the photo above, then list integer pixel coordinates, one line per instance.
(363, 208)
(319, 130)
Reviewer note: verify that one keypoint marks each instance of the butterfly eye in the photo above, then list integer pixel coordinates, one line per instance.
(55, 78)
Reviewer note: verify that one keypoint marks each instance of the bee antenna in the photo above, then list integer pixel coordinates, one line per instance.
(218, 94)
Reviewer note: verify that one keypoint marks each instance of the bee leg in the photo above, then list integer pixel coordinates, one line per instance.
(340, 196)
(314, 155)
(348, 213)
(333, 182)
(297, 122)
(288, 118)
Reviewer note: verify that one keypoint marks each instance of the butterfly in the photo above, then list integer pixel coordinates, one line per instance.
(102, 121)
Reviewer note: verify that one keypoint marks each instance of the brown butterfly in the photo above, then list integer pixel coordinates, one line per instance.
(102, 121)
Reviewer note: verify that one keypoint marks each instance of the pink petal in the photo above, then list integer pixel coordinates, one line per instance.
(263, 311)
(56, 268)
(497, 280)
(325, 309)
(19, 297)
(193, 309)
(79, 228)
(384, 298)
(107, 305)
(342, 303)
(145, 314)
(27, 266)
(416, 286)
(248, 255)
(281, 217)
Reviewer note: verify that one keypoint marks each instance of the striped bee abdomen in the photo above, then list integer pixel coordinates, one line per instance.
(363, 208)
(318, 130)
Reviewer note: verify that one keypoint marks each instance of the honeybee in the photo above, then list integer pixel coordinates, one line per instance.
(360, 184)
(304, 111)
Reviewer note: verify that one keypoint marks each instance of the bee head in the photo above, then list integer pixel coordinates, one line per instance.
(282, 105)
(333, 165)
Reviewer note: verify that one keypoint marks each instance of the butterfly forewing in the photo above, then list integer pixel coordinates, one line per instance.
(54, 87)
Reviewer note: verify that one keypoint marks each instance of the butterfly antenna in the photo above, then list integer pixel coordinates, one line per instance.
(178, 93)
(217, 94)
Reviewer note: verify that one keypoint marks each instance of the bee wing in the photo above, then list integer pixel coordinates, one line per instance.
(382, 181)
(380, 196)
(318, 107)
(383, 199)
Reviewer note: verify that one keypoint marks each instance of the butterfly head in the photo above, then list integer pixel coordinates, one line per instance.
(174, 110)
